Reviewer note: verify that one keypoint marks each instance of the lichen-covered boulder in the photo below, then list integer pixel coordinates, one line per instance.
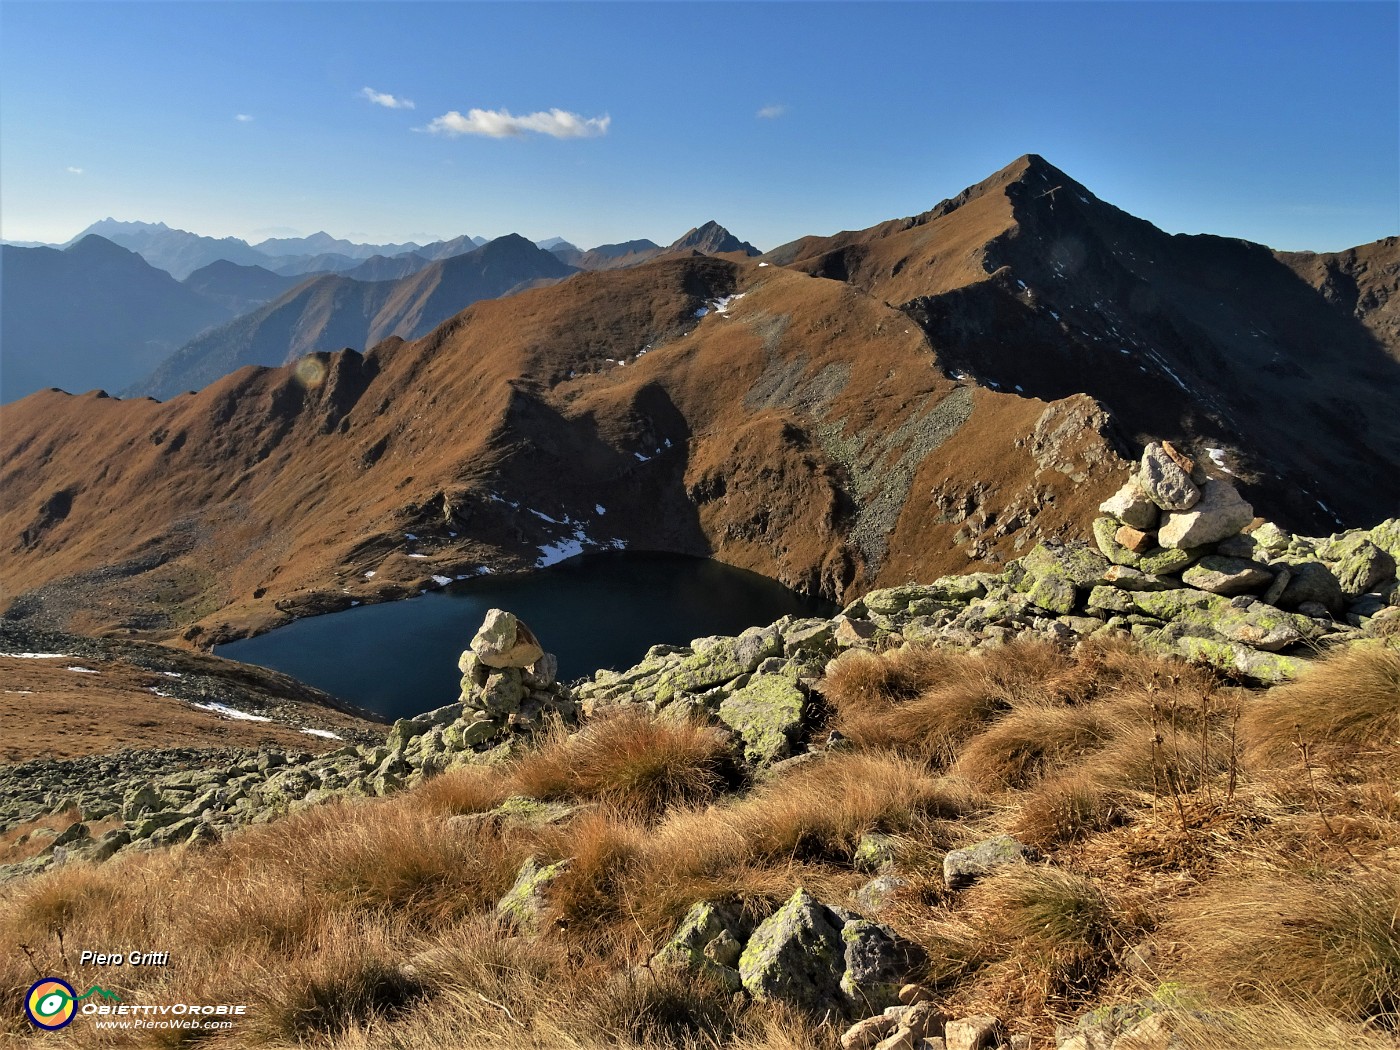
(963, 867)
(708, 941)
(1220, 512)
(1312, 581)
(877, 964)
(1359, 564)
(796, 956)
(767, 715)
(524, 903)
(1053, 574)
(1252, 623)
(503, 641)
(1227, 576)
(1264, 668)
(715, 661)
(874, 852)
(1164, 482)
(1386, 536)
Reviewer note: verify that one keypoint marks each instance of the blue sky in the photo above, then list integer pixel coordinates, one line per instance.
(1275, 122)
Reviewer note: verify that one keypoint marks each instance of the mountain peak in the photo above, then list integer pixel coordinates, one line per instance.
(712, 238)
(94, 245)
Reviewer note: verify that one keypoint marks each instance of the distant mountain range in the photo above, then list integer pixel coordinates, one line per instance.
(100, 338)
(98, 315)
(180, 253)
(333, 311)
(849, 411)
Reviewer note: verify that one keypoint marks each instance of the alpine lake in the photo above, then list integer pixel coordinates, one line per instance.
(603, 610)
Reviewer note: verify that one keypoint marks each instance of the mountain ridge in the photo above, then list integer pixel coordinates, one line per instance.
(890, 403)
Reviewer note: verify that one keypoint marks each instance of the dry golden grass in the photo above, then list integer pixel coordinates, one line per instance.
(1270, 890)
(1346, 703)
(1333, 943)
(630, 762)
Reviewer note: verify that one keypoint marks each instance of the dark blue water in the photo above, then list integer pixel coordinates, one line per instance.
(598, 610)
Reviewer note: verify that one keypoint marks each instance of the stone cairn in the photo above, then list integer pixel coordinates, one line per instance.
(508, 680)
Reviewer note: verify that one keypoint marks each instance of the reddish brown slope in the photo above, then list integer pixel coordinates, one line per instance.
(805, 430)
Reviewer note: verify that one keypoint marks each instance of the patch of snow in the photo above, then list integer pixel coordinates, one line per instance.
(546, 517)
(452, 535)
(600, 508)
(702, 311)
(172, 674)
(640, 457)
(722, 304)
(667, 443)
(80, 670)
(569, 547)
(326, 733)
(39, 656)
(762, 265)
(1020, 389)
(417, 555)
(1021, 284)
(369, 575)
(1054, 315)
(1217, 456)
(442, 581)
(353, 604)
(409, 536)
(230, 712)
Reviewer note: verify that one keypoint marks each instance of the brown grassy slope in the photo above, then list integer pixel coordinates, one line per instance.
(808, 430)
(1258, 891)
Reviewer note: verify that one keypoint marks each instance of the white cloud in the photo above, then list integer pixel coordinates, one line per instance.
(772, 111)
(75, 171)
(500, 124)
(242, 118)
(381, 98)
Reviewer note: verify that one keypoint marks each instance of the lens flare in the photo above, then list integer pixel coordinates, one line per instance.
(50, 1003)
(310, 372)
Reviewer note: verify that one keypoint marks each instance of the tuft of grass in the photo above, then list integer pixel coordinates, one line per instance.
(630, 762)
(1345, 703)
(1030, 742)
(465, 789)
(660, 1008)
(350, 975)
(1067, 809)
(1332, 944)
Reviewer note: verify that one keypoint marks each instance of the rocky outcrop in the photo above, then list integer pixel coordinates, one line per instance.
(816, 958)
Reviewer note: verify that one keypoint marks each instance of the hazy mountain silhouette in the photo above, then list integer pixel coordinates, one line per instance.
(91, 315)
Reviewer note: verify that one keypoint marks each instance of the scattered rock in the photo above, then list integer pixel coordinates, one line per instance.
(963, 867)
(523, 906)
(796, 956)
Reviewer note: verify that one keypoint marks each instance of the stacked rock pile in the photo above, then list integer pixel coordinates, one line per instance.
(508, 680)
